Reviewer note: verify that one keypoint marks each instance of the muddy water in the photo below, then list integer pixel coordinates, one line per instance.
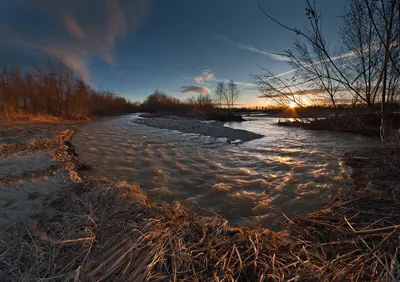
(290, 170)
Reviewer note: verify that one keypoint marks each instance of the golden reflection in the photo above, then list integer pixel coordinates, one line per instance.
(262, 207)
(282, 160)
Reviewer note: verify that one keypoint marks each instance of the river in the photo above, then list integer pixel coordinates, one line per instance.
(290, 171)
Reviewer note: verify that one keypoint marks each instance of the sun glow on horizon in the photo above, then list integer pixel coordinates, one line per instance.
(292, 105)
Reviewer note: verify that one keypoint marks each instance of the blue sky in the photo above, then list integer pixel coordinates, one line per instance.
(182, 47)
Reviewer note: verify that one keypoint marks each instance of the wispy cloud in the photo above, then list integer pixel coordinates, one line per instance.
(252, 48)
(244, 83)
(195, 89)
(83, 31)
(338, 57)
(186, 77)
(74, 58)
(73, 27)
(247, 85)
(205, 76)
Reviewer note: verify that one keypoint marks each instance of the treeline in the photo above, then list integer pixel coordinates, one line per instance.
(223, 100)
(161, 102)
(54, 90)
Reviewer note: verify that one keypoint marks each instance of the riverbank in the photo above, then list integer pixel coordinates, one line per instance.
(199, 126)
(110, 231)
(367, 125)
(30, 167)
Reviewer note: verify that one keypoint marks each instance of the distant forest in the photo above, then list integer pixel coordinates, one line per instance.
(54, 90)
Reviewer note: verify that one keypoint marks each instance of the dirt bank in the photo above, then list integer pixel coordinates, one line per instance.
(30, 170)
(107, 231)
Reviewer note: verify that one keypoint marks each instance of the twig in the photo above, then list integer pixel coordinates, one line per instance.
(347, 272)
(377, 230)
(395, 168)
(355, 232)
(365, 243)
(68, 241)
(288, 219)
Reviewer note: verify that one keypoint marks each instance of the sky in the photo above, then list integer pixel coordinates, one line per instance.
(182, 47)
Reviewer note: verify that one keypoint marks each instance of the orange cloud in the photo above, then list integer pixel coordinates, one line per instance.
(73, 27)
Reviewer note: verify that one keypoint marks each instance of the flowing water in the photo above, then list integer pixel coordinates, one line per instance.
(290, 170)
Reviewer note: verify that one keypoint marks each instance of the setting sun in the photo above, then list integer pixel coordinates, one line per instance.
(292, 105)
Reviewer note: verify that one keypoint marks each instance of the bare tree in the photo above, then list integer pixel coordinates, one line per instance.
(220, 94)
(368, 70)
(233, 94)
(280, 90)
(360, 39)
(226, 95)
(315, 68)
(385, 18)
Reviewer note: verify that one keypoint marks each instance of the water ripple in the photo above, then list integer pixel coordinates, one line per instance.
(289, 170)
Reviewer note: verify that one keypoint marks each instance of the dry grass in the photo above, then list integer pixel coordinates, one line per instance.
(12, 115)
(31, 145)
(108, 233)
(17, 135)
(45, 118)
(105, 231)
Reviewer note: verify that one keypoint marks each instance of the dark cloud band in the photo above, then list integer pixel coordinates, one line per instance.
(190, 89)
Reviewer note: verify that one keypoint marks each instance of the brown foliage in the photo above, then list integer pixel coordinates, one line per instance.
(54, 91)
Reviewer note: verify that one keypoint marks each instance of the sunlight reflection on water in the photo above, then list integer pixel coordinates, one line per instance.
(290, 170)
